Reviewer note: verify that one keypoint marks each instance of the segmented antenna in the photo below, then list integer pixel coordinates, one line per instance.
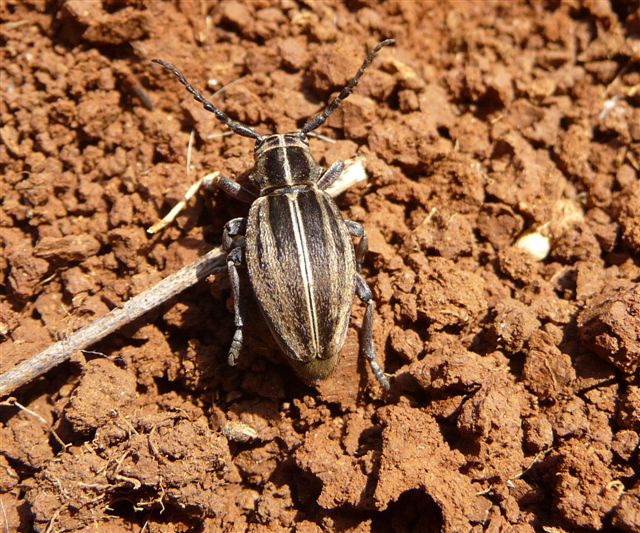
(320, 119)
(235, 126)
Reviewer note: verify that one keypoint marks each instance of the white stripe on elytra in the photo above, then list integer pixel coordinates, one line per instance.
(285, 160)
(305, 269)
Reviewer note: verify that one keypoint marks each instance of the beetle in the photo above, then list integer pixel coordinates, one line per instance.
(302, 263)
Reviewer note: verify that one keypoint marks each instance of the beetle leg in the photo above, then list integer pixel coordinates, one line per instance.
(331, 175)
(234, 258)
(356, 230)
(233, 234)
(229, 186)
(364, 293)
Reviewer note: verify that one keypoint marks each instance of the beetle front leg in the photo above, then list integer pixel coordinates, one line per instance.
(331, 175)
(230, 187)
(364, 293)
(357, 230)
(234, 259)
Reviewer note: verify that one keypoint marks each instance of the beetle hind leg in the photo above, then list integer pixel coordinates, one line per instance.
(364, 293)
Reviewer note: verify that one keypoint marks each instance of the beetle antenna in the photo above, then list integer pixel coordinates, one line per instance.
(320, 119)
(235, 126)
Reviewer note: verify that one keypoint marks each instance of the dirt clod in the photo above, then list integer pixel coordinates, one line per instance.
(610, 326)
(103, 390)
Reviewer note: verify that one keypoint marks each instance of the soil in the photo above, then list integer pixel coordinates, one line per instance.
(515, 398)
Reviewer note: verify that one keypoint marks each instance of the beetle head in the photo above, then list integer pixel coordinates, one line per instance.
(283, 159)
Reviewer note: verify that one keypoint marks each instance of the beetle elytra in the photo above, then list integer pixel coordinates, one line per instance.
(298, 250)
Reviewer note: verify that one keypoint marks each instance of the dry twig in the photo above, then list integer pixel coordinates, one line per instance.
(97, 330)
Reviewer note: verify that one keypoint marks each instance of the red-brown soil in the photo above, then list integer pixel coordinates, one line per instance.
(515, 400)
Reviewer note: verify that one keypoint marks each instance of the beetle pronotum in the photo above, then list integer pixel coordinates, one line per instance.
(302, 264)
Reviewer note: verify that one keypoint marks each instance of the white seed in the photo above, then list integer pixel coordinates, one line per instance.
(537, 244)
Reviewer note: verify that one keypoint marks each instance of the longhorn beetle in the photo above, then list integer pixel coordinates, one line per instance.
(302, 264)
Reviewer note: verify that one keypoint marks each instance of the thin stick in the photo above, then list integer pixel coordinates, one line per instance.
(28, 370)
(212, 262)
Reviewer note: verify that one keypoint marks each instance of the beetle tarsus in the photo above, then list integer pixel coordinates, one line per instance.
(236, 346)
(364, 293)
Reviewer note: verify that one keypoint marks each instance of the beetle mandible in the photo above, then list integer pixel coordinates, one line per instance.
(298, 250)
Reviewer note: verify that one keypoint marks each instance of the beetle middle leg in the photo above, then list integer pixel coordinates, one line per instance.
(233, 242)
(357, 230)
(234, 259)
(364, 293)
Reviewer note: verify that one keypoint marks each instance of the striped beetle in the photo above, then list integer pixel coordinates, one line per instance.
(302, 263)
